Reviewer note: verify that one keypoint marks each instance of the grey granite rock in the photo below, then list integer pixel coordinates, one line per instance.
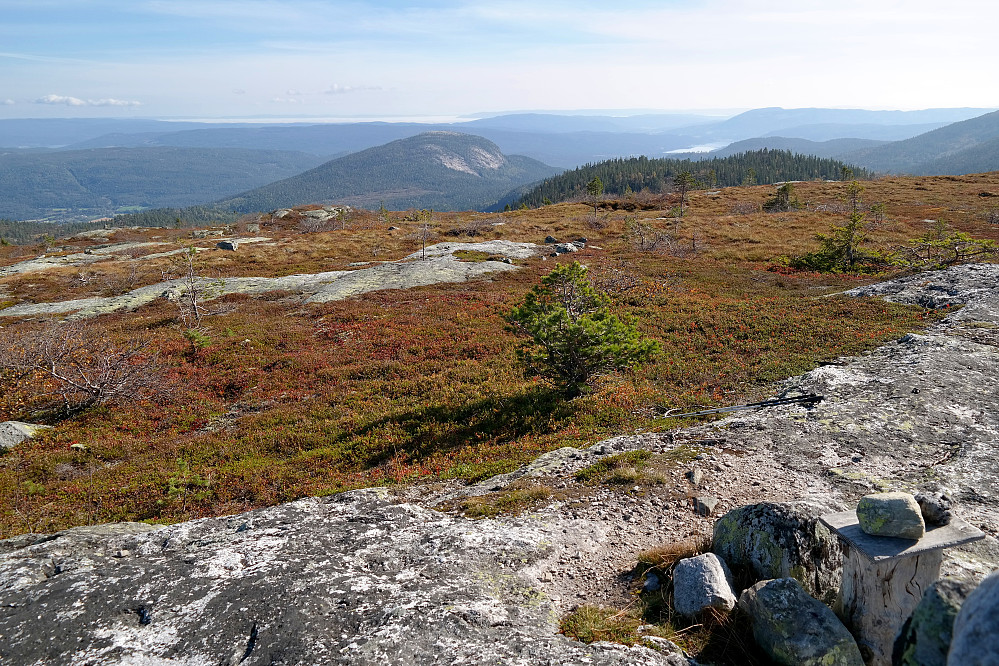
(347, 579)
(702, 582)
(926, 637)
(795, 629)
(705, 505)
(441, 266)
(976, 629)
(13, 433)
(892, 515)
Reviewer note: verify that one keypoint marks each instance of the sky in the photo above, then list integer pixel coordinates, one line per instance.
(441, 59)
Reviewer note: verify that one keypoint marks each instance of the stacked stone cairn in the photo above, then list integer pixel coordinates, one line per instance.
(791, 565)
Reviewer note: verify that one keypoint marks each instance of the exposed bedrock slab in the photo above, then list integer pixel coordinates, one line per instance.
(349, 579)
(439, 267)
(921, 413)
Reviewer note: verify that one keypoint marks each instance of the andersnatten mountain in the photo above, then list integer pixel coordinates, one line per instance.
(436, 170)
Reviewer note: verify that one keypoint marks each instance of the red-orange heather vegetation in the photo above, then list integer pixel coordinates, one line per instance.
(275, 399)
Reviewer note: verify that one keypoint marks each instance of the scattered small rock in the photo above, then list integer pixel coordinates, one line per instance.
(705, 506)
(696, 476)
(550, 240)
(891, 514)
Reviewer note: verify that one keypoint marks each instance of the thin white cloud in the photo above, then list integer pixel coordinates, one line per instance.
(76, 101)
(8, 102)
(337, 89)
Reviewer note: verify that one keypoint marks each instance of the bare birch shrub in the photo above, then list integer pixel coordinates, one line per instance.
(66, 368)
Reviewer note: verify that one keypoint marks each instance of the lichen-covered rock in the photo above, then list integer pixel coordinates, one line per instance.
(702, 582)
(976, 629)
(926, 637)
(891, 515)
(347, 579)
(772, 540)
(13, 433)
(795, 629)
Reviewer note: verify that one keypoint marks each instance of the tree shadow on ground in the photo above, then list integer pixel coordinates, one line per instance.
(436, 429)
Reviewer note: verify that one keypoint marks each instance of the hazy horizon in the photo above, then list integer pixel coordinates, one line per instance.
(224, 59)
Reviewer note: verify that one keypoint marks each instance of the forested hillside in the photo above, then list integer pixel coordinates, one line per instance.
(956, 149)
(103, 181)
(656, 175)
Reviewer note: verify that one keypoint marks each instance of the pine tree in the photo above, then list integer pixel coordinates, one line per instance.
(573, 335)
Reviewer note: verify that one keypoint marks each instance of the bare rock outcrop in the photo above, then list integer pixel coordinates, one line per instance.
(350, 579)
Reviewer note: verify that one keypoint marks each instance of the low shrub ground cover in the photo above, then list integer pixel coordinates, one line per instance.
(279, 400)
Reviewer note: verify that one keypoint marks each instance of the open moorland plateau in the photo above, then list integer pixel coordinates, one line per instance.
(333, 454)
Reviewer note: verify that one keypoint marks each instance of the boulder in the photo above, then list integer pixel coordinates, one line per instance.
(771, 540)
(253, 228)
(702, 582)
(227, 245)
(976, 629)
(795, 629)
(891, 515)
(926, 636)
(13, 433)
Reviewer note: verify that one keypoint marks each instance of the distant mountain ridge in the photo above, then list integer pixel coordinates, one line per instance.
(562, 140)
(963, 147)
(36, 181)
(100, 182)
(442, 170)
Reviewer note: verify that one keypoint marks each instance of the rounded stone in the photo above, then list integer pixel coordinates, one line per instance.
(702, 582)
